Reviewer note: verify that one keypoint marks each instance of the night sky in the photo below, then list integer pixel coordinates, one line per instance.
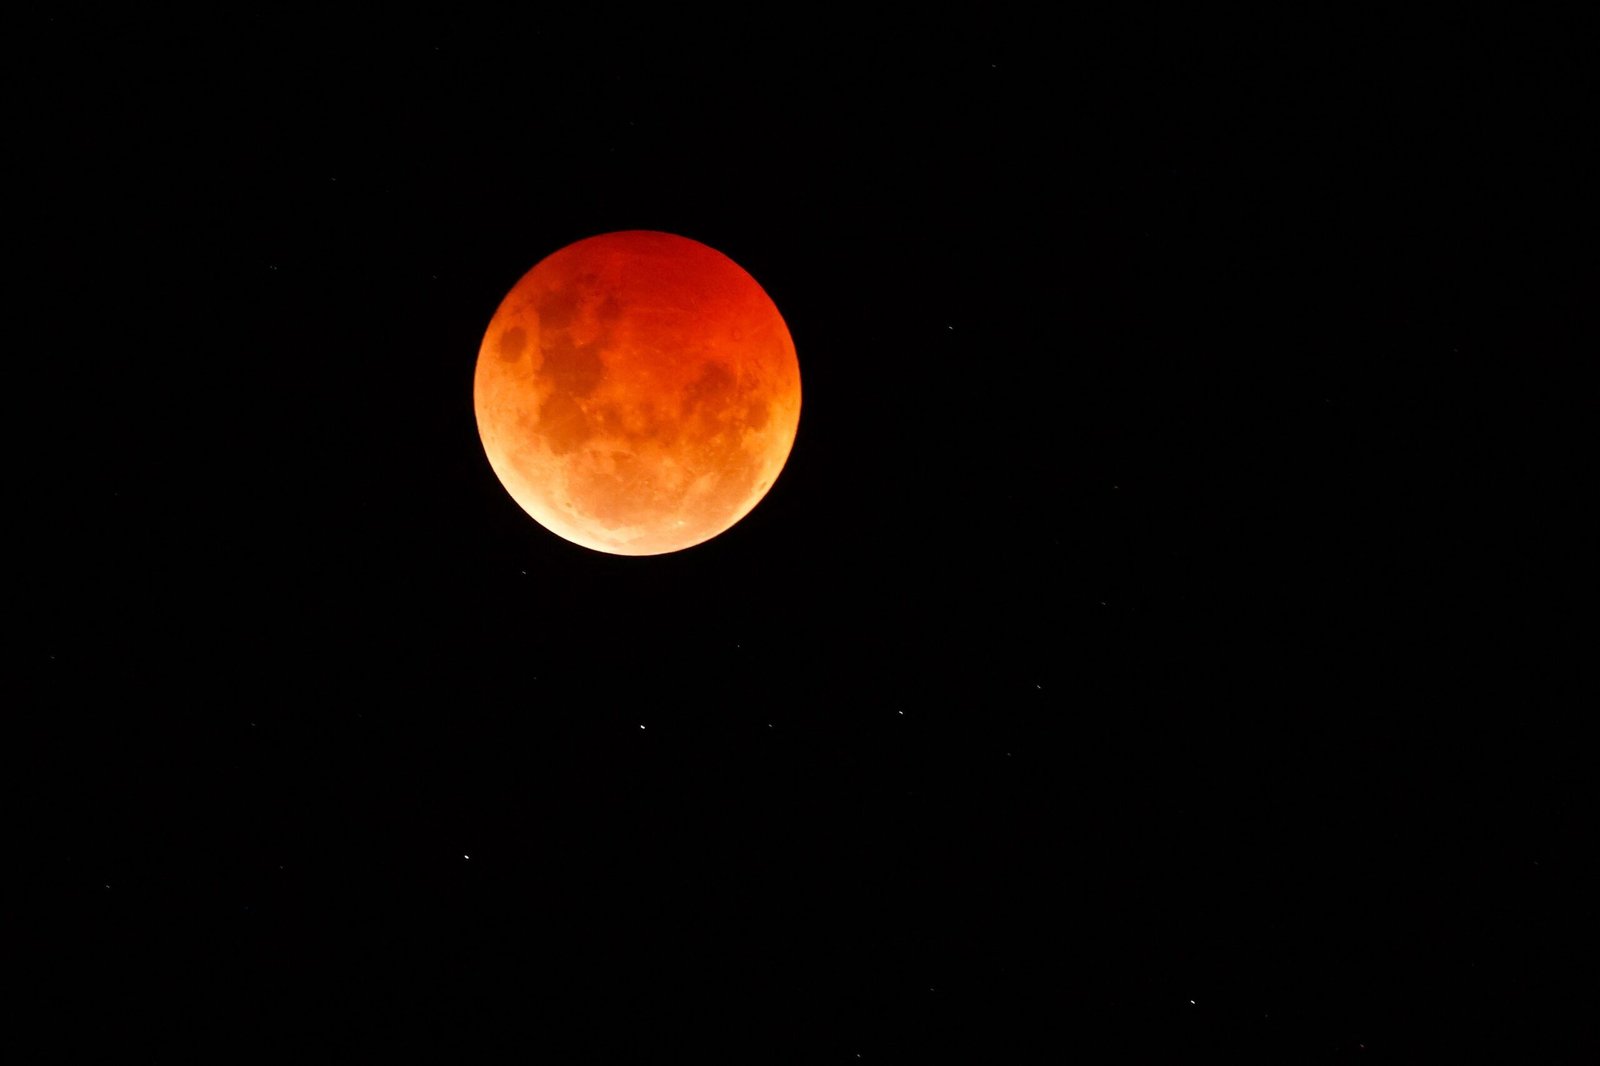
(1164, 640)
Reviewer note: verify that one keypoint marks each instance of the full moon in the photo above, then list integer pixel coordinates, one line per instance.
(637, 393)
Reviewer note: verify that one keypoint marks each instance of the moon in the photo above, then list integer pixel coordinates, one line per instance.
(637, 393)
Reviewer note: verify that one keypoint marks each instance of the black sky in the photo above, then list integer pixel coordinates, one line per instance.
(1164, 638)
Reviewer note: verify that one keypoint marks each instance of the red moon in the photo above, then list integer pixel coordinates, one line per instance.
(637, 393)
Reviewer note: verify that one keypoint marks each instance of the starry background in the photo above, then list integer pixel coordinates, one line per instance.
(1164, 638)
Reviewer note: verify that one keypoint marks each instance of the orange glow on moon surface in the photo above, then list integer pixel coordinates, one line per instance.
(637, 393)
